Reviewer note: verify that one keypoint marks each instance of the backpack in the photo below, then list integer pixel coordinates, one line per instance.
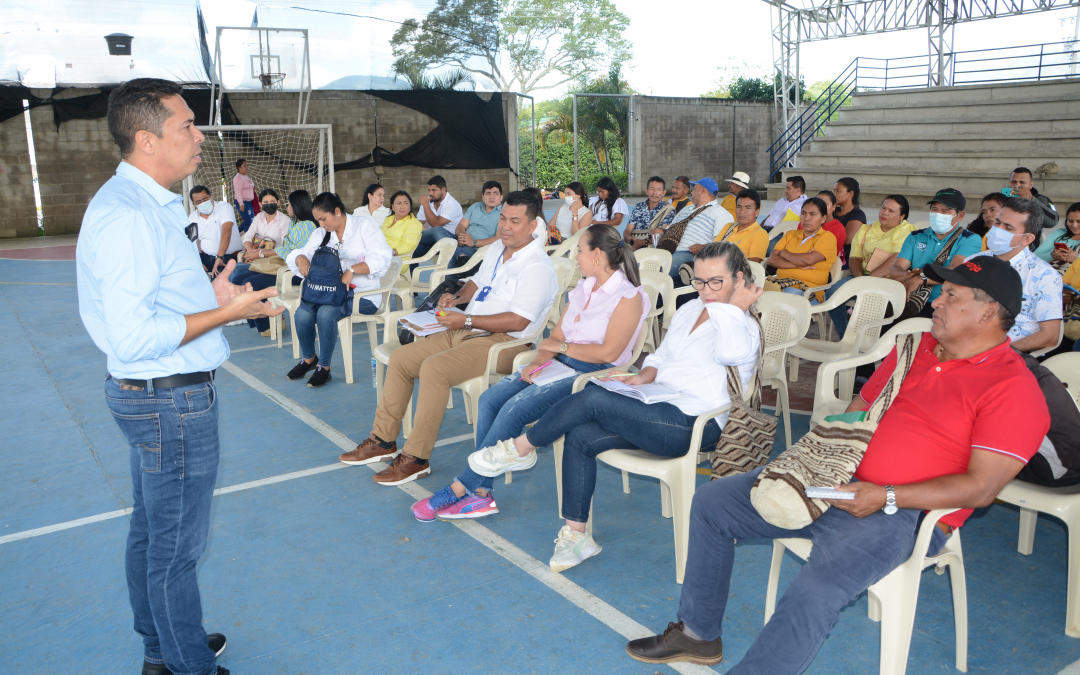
(323, 286)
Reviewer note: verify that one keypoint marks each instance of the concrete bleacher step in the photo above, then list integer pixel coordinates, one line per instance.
(915, 141)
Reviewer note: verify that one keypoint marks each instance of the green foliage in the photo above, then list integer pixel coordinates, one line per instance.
(555, 165)
(538, 38)
(750, 89)
(590, 181)
(418, 78)
(603, 124)
(814, 91)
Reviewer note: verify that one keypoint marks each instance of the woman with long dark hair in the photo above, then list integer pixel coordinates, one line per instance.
(847, 210)
(603, 317)
(608, 208)
(573, 215)
(374, 205)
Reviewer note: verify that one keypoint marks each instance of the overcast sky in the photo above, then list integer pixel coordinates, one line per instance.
(677, 48)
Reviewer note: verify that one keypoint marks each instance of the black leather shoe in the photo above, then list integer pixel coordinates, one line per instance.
(303, 368)
(674, 645)
(216, 641)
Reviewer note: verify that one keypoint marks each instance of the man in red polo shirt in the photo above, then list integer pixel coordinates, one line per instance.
(968, 417)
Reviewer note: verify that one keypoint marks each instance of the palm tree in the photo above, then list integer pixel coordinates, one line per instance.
(601, 121)
(417, 77)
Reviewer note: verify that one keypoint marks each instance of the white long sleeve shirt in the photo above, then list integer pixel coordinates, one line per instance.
(362, 241)
(695, 363)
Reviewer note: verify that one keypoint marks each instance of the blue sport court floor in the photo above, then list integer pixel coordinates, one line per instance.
(312, 568)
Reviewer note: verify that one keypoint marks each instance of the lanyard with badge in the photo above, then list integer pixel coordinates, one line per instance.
(487, 289)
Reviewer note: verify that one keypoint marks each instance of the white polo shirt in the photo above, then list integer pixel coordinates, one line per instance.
(525, 285)
(210, 229)
(448, 208)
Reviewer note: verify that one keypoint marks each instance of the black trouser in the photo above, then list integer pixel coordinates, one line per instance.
(208, 260)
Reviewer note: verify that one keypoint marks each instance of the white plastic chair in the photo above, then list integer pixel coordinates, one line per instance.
(409, 284)
(892, 601)
(669, 309)
(289, 296)
(1046, 350)
(872, 297)
(653, 259)
(660, 288)
(836, 273)
(567, 248)
(566, 270)
(781, 228)
(785, 319)
(826, 401)
(382, 360)
(345, 325)
(1063, 503)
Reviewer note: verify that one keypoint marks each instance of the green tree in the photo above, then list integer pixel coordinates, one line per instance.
(533, 39)
(603, 123)
(418, 78)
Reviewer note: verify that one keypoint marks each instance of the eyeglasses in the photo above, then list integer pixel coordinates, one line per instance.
(192, 232)
(715, 284)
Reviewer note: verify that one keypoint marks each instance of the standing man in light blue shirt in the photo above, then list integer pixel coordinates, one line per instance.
(147, 303)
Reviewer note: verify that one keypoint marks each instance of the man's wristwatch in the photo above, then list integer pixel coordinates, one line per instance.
(890, 501)
(468, 322)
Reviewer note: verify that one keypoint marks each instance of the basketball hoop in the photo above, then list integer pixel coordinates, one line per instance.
(272, 83)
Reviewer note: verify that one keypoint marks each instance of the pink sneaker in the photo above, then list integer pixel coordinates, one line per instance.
(471, 506)
(425, 509)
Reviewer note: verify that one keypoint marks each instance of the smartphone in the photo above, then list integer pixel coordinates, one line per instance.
(1008, 192)
(1061, 246)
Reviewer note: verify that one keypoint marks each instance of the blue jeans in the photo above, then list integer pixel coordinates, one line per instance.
(507, 407)
(428, 239)
(246, 212)
(850, 554)
(326, 318)
(840, 314)
(241, 275)
(595, 420)
(679, 258)
(173, 447)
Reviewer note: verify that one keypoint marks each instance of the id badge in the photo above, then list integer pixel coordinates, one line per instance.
(483, 293)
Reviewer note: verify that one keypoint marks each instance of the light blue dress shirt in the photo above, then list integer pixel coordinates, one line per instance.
(139, 276)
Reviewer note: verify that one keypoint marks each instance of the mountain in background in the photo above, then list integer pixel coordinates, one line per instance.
(353, 82)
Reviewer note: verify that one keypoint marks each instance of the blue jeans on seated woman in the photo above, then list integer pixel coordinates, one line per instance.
(326, 318)
(241, 275)
(596, 420)
(508, 406)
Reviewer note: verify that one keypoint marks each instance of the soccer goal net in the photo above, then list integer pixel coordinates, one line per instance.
(285, 157)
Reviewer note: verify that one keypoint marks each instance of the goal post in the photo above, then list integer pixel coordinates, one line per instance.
(285, 157)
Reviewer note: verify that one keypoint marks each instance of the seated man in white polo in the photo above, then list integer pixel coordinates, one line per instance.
(219, 237)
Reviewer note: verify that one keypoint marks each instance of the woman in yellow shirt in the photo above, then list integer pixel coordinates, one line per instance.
(402, 229)
(887, 235)
(1071, 309)
(804, 257)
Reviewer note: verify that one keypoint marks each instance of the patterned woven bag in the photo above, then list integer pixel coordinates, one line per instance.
(827, 455)
(748, 436)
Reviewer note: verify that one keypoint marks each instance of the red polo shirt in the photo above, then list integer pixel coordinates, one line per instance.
(989, 402)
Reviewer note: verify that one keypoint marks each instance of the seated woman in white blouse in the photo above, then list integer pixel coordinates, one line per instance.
(374, 204)
(365, 258)
(573, 215)
(708, 334)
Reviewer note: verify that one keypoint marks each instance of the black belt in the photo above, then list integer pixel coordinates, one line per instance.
(170, 381)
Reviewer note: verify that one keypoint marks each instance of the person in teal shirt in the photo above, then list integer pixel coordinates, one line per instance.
(479, 225)
(922, 247)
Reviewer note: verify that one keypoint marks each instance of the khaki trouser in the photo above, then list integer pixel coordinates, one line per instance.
(440, 362)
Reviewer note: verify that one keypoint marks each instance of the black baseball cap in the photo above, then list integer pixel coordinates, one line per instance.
(994, 276)
(950, 197)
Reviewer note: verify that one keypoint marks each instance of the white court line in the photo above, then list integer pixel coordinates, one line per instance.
(591, 604)
(249, 349)
(1071, 669)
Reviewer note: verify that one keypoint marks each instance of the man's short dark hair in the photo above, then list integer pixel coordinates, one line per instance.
(488, 185)
(1033, 216)
(656, 179)
(1006, 317)
(437, 181)
(197, 189)
(1022, 169)
(747, 193)
(519, 198)
(136, 106)
(797, 182)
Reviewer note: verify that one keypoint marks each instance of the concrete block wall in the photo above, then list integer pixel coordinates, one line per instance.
(18, 215)
(701, 137)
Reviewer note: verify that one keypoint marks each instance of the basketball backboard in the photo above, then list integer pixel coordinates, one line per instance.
(271, 60)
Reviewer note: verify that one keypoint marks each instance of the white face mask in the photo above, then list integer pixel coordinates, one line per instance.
(998, 241)
(206, 208)
(569, 199)
(941, 223)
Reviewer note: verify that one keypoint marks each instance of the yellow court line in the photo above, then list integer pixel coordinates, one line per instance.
(31, 283)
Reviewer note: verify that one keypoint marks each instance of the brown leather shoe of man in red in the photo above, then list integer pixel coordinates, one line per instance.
(369, 451)
(402, 470)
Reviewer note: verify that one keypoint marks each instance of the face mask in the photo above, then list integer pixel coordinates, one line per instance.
(568, 199)
(941, 223)
(270, 208)
(206, 208)
(999, 241)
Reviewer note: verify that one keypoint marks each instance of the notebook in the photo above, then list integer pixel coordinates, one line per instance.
(646, 393)
(553, 372)
(426, 323)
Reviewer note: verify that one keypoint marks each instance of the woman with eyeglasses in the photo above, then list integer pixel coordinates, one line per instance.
(708, 334)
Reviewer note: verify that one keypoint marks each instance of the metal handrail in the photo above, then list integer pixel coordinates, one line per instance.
(1047, 61)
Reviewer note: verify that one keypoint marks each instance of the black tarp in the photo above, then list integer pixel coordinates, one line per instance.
(95, 106)
(471, 132)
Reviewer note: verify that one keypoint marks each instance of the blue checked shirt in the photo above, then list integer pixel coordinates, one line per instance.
(139, 276)
(1042, 292)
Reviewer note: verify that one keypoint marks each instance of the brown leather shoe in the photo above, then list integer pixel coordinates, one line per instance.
(675, 645)
(369, 451)
(402, 470)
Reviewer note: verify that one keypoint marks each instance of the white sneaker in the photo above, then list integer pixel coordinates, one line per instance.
(572, 548)
(497, 459)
